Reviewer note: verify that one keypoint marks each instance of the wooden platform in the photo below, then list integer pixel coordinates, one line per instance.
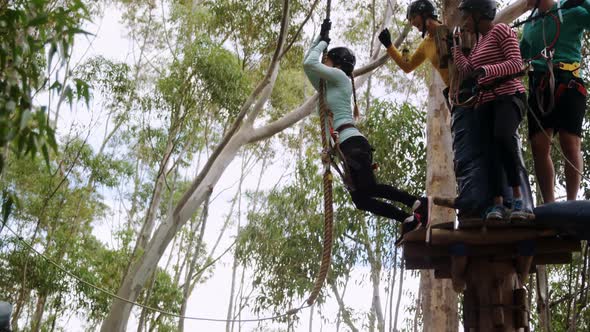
(523, 243)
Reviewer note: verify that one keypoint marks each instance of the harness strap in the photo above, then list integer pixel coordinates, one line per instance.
(547, 82)
(336, 152)
(345, 126)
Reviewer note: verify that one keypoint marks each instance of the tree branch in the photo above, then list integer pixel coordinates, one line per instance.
(512, 12)
(246, 107)
(311, 10)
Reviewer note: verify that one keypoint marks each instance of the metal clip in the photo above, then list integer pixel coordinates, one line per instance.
(547, 53)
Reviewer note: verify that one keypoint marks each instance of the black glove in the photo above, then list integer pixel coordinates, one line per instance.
(385, 38)
(325, 31)
(478, 73)
(572, 3)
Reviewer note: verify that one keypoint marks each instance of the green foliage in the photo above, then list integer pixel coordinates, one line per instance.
(283, 242)
(289, 91)
(397, 132)
(27, 28)
(253, 25)
(206, 73)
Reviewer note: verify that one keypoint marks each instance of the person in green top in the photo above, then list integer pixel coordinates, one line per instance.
(553, 37)
(337, 71)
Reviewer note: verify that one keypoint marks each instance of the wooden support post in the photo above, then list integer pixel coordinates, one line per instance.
(493, 284)
(497, 303)
(458, 266)
(521, 309)
(470, 310)
(524, 260)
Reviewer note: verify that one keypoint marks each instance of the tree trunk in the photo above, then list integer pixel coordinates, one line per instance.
(191, 269)
(150, 218)
(391, 288)
(311, 317)
(38, 315)
(229, 325)
(18, 308)
(399, 297)
(439, 301)
(377, 309)
(342, 307)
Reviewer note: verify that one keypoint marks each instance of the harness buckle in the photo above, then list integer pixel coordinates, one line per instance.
(573, 68)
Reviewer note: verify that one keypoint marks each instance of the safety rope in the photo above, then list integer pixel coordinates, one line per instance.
(163, 312)
(327, 179)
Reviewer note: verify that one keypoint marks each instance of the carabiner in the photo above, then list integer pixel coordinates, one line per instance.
(547, 53)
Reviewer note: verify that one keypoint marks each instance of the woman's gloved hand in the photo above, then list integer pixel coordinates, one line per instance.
(325, 31)
(385, 38)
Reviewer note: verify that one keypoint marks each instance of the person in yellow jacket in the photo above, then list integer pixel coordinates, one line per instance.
(422, 15)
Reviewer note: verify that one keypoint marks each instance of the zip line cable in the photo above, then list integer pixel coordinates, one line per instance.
(163, 312)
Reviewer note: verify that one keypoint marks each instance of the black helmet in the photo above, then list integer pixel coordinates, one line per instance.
(421, 7)
(487, 8)
(344, 58)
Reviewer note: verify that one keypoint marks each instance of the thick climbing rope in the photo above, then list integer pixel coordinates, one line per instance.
(325, 125)
(163, 312)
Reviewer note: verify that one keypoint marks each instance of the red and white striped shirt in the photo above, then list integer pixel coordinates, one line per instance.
(498, 54)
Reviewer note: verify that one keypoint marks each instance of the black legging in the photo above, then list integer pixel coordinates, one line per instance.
(359, 156)
(500, 120)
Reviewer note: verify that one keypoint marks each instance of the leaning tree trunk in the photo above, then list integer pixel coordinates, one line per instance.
(241, 133)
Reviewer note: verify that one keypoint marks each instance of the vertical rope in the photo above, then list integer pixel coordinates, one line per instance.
(327, 179)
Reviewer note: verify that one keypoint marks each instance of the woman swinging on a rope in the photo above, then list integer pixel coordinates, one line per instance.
(496, 55)
(336, 71)
(422, 15)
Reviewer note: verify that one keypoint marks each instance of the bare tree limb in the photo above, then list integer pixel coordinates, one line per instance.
(311, 10)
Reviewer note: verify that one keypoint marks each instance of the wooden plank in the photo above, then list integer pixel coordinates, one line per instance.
(415, 236)
(417, 263)
(541, 246)
(444, 263)
(490, 236)
(442, 274)
(556, 258)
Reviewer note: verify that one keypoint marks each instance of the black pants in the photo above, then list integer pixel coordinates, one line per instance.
(359, 156)
(500, 119)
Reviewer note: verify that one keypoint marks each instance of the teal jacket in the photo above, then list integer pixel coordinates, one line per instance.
(573, 22)
(338, 88)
